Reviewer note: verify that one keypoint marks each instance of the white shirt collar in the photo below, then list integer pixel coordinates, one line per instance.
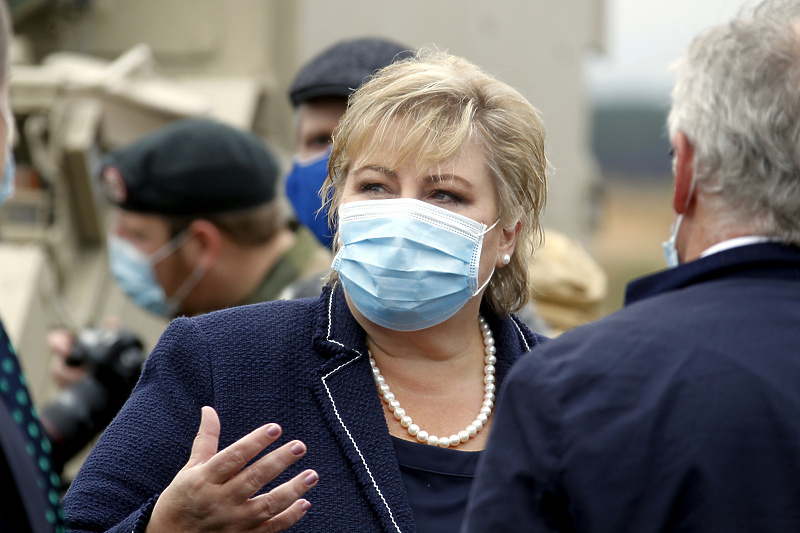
(736, 242)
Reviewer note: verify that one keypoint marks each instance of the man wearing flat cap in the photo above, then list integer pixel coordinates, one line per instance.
(319, 95)
(198, 226)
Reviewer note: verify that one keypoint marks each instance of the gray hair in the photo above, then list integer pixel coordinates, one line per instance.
(737, 100)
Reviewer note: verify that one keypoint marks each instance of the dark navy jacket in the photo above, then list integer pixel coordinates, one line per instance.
(299, 363)
(681, 412)
(29, 498)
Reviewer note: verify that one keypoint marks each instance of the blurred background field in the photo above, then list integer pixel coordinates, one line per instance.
(635, 219)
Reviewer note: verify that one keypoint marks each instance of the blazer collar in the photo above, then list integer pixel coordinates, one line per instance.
(766, 260)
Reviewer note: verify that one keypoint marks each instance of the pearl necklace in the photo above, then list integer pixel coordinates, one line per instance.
(471, 430)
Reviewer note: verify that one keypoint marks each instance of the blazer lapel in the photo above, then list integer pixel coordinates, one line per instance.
(346, 391)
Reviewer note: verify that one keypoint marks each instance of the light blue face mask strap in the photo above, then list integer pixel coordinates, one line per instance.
(174, 301)
(176, 242)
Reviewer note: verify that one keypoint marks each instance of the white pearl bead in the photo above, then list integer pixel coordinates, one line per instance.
(394, 404)
(388, 396)
(484, 410)
(482, 418)
(490, 350)
(405, 421)
(488, 341)
(400, 412)
(490, 359)
(488, 378)
(380, 380)
(489, 369)
(490, 387)
(472, 430)
(463, 435)
(372, 362)
(489, 396)
(383, 388)
(375, 371)
(444, 442)
(478, 424)
(488, 403)
(413, 429)
(454, 440)
(422, 436)
(433, 440)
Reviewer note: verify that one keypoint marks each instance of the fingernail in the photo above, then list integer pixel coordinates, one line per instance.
(297, 448)
(273, 430)
(311, 479)
(305, 505)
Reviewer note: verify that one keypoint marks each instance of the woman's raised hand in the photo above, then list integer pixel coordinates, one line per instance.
(213, 492)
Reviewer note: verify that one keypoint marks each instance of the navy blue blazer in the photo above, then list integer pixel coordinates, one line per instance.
(680, 412)
(300, 363)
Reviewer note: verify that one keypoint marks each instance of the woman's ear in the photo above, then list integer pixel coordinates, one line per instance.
(508, 241)
(204, 244)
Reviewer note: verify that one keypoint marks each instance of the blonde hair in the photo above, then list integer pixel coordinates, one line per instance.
(442, 102)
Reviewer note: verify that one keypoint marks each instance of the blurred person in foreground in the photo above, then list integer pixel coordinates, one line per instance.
(198, 226)
(680, 412)
(438, 182)
(29, 487)
(569, 285)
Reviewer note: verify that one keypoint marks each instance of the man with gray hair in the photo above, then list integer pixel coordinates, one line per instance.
(680, 412)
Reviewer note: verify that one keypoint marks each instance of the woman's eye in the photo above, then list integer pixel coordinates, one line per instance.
(445, 196)
(373, 187)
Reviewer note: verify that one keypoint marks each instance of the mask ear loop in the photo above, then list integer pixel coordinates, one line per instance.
(485, 283)
(175, 301)
(168, 248)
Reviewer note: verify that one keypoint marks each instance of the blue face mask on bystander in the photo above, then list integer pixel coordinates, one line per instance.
(8, 183)
(406, 264)
(303, 185)
(135, 275)
(7, 186)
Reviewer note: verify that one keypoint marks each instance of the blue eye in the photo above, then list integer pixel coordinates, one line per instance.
(445, 196)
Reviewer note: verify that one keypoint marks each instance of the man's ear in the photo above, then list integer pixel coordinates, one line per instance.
(683, 171)
(508, 241)
(204, 244)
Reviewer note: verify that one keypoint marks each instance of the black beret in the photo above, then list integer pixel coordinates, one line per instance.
(191, 167)
(342, 68)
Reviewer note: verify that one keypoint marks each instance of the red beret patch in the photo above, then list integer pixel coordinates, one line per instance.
(114, 185)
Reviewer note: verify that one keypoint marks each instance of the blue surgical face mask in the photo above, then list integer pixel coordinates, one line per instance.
(670, 252)
(406, 264)
(8, 183)
(135, 274)
(303, 186)
(7, 186)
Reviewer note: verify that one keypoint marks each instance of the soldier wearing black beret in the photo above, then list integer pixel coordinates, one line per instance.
(198, 226)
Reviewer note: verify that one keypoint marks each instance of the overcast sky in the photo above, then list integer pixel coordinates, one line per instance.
(643, 37)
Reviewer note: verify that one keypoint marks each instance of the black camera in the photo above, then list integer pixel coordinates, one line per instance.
(113, 359)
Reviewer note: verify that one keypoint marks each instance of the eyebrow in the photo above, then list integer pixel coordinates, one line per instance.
(431, 178)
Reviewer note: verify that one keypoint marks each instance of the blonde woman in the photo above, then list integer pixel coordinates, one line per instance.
(387, 381)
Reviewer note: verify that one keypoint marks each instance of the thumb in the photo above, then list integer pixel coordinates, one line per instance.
(207, 439)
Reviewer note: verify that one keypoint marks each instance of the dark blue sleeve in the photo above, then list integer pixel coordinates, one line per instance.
(148, 442)
(515, 488)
